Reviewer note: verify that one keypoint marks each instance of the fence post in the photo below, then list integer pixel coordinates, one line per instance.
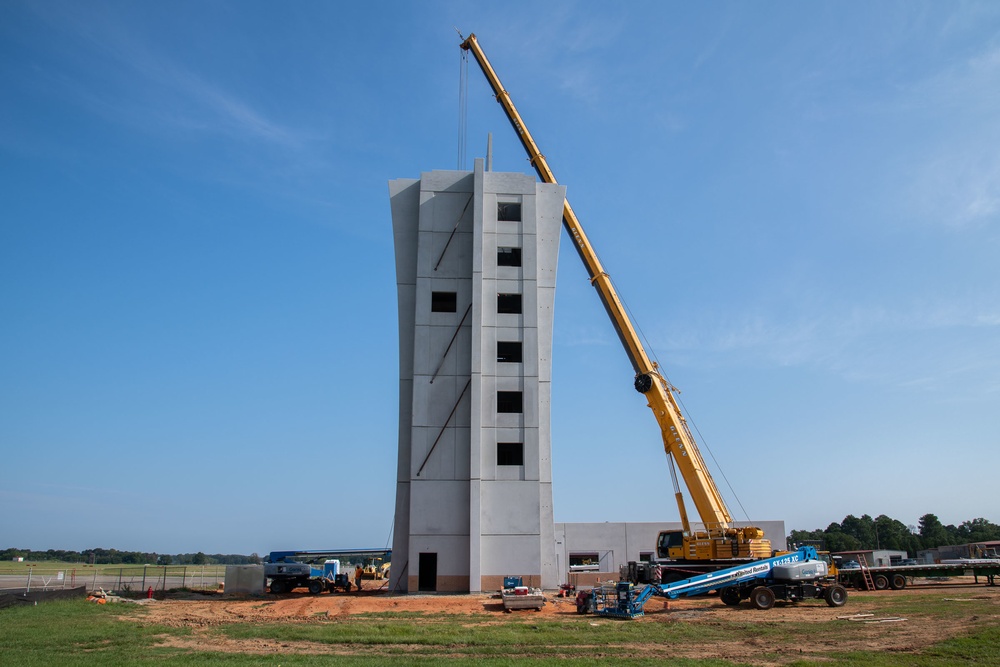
(184, 577)
(27, 588)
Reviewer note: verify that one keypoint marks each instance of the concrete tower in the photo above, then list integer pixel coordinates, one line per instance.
(476, 260)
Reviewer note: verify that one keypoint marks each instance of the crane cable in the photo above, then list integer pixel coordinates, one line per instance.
(701, 439)
(463, 105)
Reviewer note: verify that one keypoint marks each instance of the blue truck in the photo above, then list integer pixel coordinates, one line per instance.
(793, 576)
(285, 571)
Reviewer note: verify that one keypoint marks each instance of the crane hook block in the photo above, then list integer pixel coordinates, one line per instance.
(643, 382)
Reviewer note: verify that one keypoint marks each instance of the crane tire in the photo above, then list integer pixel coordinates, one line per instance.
(730, 596)
(881, 582)
(315, 586)
(897, 582)
(278, 586)
(835, 595)
(762, 597)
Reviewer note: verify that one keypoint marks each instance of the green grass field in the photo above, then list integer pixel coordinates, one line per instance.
(83, 633)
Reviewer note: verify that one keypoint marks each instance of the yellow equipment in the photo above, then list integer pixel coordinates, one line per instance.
(720, 540)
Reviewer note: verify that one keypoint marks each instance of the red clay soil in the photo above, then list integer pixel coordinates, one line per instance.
(203, 614)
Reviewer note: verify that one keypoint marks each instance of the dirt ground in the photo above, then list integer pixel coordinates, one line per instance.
(909, 635)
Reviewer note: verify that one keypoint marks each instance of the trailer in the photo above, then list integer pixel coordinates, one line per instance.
(516, 595)
(897, 577)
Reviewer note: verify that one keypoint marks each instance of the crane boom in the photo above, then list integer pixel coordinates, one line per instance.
(678, 441)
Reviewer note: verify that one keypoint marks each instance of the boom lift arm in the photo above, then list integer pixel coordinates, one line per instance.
(723, 540)
(796, 575)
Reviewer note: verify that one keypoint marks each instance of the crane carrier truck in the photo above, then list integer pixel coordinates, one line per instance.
(721, 542)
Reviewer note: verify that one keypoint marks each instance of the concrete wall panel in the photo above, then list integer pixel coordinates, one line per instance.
(432, 505)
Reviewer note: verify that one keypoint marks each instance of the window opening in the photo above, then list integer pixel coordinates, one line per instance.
(510, 401)
(508, 257)
(509, 303)
(584, 562)
(444, 302)
(508, 211)
(510, 453)
(509, 351)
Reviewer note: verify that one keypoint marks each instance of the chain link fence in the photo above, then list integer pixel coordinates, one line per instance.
(122, 580)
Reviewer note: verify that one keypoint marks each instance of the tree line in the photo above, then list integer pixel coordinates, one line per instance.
(116, 557)
(883, 532)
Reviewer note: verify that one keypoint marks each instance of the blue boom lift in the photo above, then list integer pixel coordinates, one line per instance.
(794, 576)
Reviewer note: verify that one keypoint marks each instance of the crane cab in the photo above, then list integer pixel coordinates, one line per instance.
(670, 545)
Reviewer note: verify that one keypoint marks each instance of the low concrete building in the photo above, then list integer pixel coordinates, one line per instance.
(586, 552)
(874, 557)
(989, 549)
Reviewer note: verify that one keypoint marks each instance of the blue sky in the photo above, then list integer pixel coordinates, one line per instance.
(800, 203)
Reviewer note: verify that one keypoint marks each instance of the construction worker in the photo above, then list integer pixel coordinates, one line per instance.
(357, 576)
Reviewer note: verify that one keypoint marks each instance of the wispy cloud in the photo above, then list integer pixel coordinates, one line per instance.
(956, 179)
(874, 344)
(142, 86)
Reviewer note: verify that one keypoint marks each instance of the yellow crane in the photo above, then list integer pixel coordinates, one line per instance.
(721, 539)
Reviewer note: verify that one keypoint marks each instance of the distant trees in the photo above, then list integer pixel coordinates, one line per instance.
(883, 532)
(100, 556)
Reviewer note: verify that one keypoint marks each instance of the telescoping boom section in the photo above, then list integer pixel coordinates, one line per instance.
(721, 539)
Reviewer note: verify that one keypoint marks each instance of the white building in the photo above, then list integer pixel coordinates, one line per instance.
(476, 257)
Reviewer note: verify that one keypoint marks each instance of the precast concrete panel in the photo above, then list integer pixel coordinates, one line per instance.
(443, 181)
(510, 554)
(510, 508)
(439, 507)
(445, 254)
(433, 404)
(404, 196)
(440, 453)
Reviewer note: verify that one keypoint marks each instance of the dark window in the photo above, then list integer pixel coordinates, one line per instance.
(510, 401)
(508, 257)
(508, 211)
(444, 302)
(510, 453)
(645, 556)
(508, 303)
(509, 352)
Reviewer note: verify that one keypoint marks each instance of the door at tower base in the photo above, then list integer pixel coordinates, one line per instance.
(428, 568)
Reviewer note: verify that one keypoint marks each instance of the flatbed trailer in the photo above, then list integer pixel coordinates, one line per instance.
(897, 577)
